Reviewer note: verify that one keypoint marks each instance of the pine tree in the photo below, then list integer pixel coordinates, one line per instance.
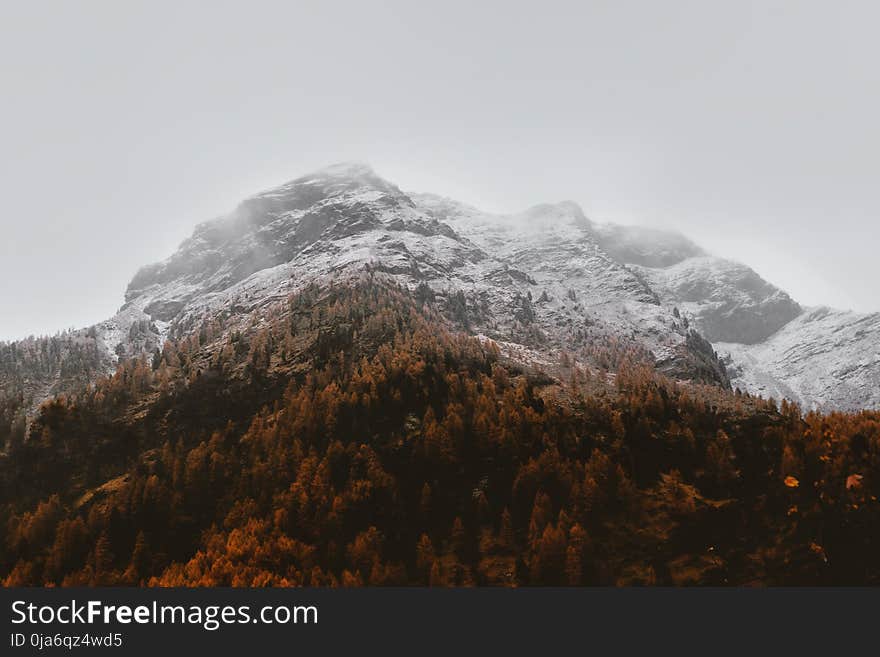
(436, 577)
(103, 558)
(458, 538)
(425, 554)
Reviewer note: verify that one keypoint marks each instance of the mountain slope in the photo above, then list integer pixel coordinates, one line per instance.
(355, 439)
(824, 358)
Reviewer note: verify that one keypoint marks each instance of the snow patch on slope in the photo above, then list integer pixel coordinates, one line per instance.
(824, 359)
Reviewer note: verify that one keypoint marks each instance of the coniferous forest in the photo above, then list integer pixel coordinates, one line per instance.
(352, 436)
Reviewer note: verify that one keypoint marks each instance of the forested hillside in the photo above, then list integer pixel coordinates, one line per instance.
(36, 368)
(350, 436)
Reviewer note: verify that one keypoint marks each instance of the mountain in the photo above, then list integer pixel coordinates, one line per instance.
(539, 283)
(340, 384)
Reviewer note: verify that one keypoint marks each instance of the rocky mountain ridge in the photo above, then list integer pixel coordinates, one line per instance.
(543, 282)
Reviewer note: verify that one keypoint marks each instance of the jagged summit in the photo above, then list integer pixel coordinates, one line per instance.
(343, 182)
(351, 171)
(272, 227)
(340, 176)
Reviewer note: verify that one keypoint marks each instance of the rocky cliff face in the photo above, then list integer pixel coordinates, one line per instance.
(728, 300)
(540, 282)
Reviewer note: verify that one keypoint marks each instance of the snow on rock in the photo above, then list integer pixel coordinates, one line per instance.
(538, 282)
(824, 359)
(540, 278)
(729, 301)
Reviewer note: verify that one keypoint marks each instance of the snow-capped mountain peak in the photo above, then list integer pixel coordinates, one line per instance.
(539, 277)
(541, 281)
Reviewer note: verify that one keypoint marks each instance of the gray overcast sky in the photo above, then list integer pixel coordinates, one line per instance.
(752, 127)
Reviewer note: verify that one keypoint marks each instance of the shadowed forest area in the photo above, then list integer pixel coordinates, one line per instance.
(352, 436)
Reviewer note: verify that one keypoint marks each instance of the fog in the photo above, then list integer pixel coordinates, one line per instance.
(749, 127)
